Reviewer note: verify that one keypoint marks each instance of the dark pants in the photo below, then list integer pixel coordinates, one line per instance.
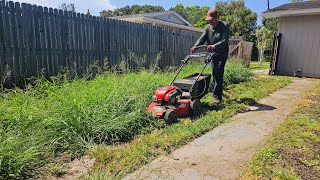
(217, 73)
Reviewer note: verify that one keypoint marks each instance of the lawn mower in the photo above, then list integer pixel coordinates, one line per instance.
(182, 97)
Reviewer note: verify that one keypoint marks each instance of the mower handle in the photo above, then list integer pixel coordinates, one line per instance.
(192, 55)
(196, 55)
(203, 53)
(201, 46)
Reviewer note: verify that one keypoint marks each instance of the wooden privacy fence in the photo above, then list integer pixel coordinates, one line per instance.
(240, 50)
(35, 39)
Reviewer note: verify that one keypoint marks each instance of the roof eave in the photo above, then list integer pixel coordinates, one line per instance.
(152, 15)
(285, 13)
(161, 23)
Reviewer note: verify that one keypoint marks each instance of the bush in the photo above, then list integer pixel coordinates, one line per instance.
(235, 73)
(38, 124)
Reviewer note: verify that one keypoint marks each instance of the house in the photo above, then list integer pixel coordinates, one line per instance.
(166, 18)
(299, 47)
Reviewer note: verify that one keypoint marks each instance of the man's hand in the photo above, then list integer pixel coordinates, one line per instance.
(192, 50)
(211, 47)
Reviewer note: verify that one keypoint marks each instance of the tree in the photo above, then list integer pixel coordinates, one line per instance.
(242, 21)
(202, 23)
(67, 7)
(264, 39)
(193, 14)
(129, 10)
(271, 24)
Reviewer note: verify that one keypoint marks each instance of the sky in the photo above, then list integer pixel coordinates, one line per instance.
(96, 6)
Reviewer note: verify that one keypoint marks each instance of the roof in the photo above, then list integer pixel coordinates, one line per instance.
(154, 15)
(159, 18)
(294, 9)
(297, 5)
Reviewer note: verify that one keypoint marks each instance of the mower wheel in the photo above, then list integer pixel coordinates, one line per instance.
(195, 107)
(170, 116)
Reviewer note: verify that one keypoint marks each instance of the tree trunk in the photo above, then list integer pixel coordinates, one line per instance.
(260, 56)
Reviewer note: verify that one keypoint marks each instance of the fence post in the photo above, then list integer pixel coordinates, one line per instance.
(2, 52)
(239, 51)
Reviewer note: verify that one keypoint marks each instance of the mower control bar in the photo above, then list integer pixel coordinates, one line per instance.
(192, 55)
(197, 55)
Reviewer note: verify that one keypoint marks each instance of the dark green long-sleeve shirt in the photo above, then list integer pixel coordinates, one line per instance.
(218, 36)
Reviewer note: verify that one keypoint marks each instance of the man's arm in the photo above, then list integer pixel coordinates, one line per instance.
(203, 38)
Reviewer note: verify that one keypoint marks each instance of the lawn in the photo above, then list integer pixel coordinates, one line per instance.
(114, 162)
(254, 65)
(106, 118)
(293, 151)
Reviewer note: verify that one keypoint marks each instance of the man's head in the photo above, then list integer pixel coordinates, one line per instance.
(212, 17)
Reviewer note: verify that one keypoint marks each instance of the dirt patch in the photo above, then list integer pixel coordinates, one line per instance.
(295, 161)
(223, 152)
(75, 168)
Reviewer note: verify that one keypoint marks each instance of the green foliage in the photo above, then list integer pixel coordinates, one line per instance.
(41, 123)
(271, 24)
(254, 65)
(130, 10)
(271, 28)
(67, 7)
(193, 14)
(235, 73)
(241, 19)
(264, 39)
(202, 23)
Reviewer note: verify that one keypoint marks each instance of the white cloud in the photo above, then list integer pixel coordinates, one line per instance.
(107, 4)
(82, 6)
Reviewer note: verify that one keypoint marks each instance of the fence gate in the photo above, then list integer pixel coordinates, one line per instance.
(240, 50)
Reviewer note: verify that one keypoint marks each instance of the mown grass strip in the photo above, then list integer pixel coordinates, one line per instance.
(254, 65)
(119, 160)
(293, 151)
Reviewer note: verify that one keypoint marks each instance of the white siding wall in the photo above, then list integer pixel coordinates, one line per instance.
(300, 45)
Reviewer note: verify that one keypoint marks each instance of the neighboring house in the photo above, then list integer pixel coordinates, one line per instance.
(166, 18)
(299, 51)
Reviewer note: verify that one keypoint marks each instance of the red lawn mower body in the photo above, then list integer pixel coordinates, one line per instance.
(182, 97)
(168, 98)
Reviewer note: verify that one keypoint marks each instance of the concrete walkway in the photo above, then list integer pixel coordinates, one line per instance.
(223, 152)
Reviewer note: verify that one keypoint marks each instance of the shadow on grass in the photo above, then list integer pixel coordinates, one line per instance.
(253, 106)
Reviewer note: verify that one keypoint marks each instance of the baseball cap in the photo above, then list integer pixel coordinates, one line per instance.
(212, 13)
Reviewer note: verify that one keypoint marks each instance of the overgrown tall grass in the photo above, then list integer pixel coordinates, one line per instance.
(50, 120)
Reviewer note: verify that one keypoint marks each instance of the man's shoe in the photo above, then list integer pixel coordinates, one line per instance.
(216, 100)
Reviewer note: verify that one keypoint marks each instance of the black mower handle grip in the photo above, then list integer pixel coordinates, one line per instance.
(201, 46)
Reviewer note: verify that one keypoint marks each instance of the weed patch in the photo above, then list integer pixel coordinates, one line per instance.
(41, 123)
(117, 161)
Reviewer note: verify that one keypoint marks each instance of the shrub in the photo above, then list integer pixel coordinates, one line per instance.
(235, 73)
